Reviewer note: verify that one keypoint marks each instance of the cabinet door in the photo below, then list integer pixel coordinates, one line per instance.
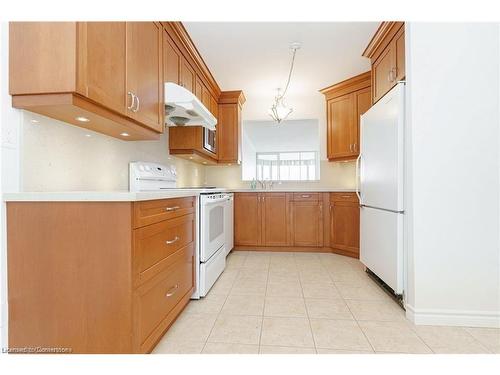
(274, 219)
(205, 97)
(247, 219)
(227, 133)
(307, 223)
(171, 60)
(383, 78)
(363, 104)
(188, 76)
(344, 219)
(104, 63)
(214, 107)
(340, 126)
(144, 72)
(399, 45)
(198, 88)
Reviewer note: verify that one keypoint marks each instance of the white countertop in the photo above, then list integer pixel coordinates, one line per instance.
(127, 196)
(293, 190)
(96, 196)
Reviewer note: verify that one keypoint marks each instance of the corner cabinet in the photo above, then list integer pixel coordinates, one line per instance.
(108, 73)
(386, 51)
(344, 223)
(345, 103)
(115, 290)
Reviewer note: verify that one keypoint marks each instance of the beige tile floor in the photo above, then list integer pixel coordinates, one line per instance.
(308, 303)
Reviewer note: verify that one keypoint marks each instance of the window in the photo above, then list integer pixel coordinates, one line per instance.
(288, 166)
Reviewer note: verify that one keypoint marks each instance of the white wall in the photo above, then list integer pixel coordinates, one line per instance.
(57, 156)
(453, 112)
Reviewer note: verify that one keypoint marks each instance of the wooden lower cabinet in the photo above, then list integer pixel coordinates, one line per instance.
(275, 214)
(297, 222)
(247, 219)
(307, 223)
(98, 277)
(344, 223)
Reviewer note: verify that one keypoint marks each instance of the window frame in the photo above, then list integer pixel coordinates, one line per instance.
(278, 160)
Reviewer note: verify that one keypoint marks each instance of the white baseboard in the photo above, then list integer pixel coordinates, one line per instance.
(453, 317)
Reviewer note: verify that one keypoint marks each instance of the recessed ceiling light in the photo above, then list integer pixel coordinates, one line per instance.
(82, 119)
(229, 164)
(204, 162)
(191, 157)
(88, 135)
(34, 121)
(124, 134)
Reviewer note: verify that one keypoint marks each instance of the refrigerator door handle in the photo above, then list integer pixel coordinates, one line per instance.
(358, 163)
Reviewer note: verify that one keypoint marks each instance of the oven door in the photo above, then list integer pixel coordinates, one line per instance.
(209, 140)
(212, 225)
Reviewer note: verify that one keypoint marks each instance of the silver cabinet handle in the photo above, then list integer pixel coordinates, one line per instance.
(137, 103)
(355, 146)
(305, 196)
(133, 100)
(350, 147)
(172, 291)
(168, 209)
(345, 196)
(170, 242)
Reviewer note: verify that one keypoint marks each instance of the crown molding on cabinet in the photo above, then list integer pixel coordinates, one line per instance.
(384, 34)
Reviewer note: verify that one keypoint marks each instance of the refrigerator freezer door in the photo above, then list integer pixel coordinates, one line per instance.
(381, 245)
(381, 158)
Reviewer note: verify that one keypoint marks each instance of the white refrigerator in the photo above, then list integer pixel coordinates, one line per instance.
(380, 168)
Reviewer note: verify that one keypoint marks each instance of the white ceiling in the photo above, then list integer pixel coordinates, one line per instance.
(255, 57)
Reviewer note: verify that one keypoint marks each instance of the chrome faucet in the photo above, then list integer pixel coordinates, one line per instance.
(262, 184)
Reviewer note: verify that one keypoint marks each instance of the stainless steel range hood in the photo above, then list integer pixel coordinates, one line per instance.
(183, 108)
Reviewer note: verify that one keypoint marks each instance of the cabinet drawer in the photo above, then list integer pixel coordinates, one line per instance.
(155, 244)
(306, 197)
(343, 197)
(155, 299)
(150, 212)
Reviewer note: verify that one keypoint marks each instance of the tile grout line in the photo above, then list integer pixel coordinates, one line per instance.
(355, 319)
(307, 311)
(218, 314)
(264, 307)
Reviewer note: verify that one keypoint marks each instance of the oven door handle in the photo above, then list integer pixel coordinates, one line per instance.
(212, 201)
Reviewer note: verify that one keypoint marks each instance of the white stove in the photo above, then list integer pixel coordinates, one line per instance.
(214, 219)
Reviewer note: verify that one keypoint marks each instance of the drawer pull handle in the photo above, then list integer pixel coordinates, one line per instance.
(306, 196)
(168, 209)
(345, 196)
(172, 291)
(169, 242)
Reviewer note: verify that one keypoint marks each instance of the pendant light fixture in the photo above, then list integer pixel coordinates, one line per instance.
(279, 111)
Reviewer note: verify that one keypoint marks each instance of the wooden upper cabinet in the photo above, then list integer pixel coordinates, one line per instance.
(247, 219)
(205, 97)
(70, 70)
(103, 52)
(198, 88)
(145, 72)
(386, 51)
(171, 60)
(188, 76)
(383, 71)
(346, 101)
(344, 223)
(229, 126)
(214, 107)
(340, 125)
(399, 44)
(307, 223)
(275, 217)
(363, 100)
